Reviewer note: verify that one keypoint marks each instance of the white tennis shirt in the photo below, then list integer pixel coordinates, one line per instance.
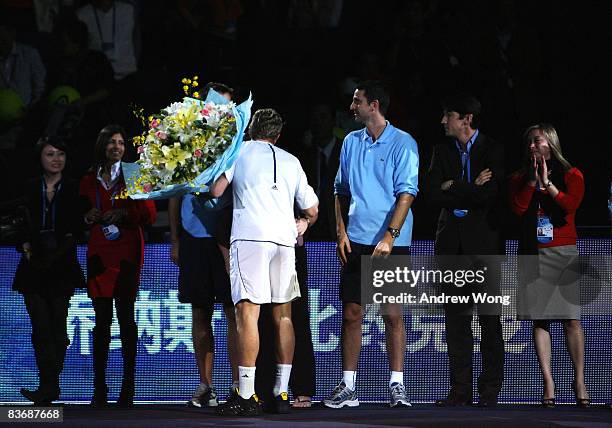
(266, 181)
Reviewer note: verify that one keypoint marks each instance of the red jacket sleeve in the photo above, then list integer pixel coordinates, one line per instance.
(570, 200)
(520, 193)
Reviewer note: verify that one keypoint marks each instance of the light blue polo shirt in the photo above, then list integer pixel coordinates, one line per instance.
(373, 174)
(199, 217)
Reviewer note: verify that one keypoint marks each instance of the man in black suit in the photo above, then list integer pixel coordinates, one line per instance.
(320, 157)
(464, 181)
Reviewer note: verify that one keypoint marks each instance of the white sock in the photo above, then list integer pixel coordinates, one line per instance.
(349, 377)
(246, 383)
(396, 377)
(283, 372)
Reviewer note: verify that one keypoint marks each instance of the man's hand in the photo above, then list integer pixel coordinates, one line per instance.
(174, 252)
(343, 248)
(446, 185)
(484, 176)
(302, 225)
(27, 250)
(383, 248)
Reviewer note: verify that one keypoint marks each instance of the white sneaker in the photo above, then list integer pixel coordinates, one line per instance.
(204, 396)
(398, 396)
(341, 396)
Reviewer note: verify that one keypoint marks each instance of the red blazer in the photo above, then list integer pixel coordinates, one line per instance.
(113, 267)
(521, 193)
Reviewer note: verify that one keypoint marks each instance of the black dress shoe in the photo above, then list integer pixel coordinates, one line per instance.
(100, 397)
(487, 402)
(451, 401)
(125, 402)
(38, 397)
(126, 398)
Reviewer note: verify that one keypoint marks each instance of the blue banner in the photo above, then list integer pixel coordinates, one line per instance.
(166, 369)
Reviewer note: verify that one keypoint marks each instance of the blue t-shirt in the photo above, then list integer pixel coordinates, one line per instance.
(373, 174)
(199, 217)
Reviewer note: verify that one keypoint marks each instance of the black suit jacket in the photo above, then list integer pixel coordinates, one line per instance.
(480, 231)
(325, 227)
(58, 272)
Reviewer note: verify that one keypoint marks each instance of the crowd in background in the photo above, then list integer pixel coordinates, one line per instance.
(526, 61)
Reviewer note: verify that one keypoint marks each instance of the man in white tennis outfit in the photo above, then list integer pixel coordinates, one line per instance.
(266, 182)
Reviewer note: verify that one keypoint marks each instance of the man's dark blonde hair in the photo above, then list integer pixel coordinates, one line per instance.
(265, 124)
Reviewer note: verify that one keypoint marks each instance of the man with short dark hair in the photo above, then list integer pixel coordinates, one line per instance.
(464, 182)
(266, 181)
(377, 179)
(198, 248)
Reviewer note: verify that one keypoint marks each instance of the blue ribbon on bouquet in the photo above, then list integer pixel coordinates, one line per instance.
(242, 113)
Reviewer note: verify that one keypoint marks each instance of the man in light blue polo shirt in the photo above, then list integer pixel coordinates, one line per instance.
(375, 186)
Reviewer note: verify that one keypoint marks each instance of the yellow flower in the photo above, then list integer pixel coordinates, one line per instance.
(194, 83)
(196, 95)
(195, 77)
(185, 117)
(185, 88)
(184, 81)
(174, 156)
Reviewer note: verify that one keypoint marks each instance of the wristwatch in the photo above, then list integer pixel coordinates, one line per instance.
(394, 232)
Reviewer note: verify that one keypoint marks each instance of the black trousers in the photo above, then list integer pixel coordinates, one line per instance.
(103, 308)
(49, 337)
(460, 338)
(303, 375)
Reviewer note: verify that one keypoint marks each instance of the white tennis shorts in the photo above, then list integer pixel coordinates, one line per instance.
(263, 272)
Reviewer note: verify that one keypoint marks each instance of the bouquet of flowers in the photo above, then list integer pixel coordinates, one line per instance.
(187, 145)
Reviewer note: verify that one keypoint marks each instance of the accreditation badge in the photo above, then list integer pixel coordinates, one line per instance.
(544, 229)
(111, 232)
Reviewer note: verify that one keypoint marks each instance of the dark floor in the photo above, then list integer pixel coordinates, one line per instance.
(420, 415)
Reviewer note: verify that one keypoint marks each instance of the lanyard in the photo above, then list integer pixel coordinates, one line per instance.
(113, 191)
(100, 28)
(46, 204)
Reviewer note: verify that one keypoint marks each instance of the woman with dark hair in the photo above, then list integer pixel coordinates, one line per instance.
(546, 194)
(49, 271)
(114, 258)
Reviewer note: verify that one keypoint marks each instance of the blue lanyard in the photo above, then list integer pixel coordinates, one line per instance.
(465, 156)
(52, 204)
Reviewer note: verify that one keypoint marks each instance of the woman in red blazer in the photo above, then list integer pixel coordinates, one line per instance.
(546, 195)
(115, 255)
